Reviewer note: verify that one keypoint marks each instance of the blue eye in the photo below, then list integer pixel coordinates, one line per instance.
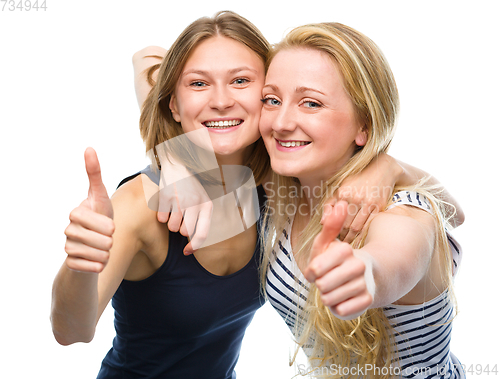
(241, 81)
(197, 84)
(312, 104)
(270, 101)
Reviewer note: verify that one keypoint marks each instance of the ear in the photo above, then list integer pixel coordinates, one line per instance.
(173, 108)
(361, 137)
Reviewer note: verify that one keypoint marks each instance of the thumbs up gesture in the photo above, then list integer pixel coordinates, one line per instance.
(339, 274)
(89, 234)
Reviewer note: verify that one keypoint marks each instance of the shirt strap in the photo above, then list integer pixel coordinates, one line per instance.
(412, 198)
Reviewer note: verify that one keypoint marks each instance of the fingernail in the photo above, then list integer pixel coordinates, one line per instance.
(188, 252)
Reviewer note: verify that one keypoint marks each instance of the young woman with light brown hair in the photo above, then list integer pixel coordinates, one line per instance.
(175, 316)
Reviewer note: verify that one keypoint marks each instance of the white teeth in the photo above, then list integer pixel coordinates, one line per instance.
(293, 143)
(222, 124)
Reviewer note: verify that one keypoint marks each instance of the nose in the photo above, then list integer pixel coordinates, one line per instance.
(285, 120)
(222, 98)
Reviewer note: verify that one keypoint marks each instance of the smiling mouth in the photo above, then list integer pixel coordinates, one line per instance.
(293, 143)
(222, 124)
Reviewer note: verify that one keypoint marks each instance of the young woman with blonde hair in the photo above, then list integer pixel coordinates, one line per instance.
(381, 306)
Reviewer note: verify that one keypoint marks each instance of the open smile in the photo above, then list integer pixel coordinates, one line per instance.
(222, 124)
(283, 145)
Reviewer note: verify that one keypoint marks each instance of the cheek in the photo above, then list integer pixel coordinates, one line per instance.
(265, 122)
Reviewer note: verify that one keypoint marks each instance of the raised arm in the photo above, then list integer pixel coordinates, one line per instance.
(99, 253)
(142, 61)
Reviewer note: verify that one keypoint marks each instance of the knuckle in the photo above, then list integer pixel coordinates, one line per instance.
(344, 250)
(74, 214)
(68, 248)
(108, 243)
(356, 228)
(327, 300)
(358, 267)
(320, 284)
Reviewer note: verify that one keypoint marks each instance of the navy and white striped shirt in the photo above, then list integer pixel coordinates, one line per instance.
(422, 333)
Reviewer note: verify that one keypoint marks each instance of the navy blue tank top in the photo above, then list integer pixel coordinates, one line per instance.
(182, 321)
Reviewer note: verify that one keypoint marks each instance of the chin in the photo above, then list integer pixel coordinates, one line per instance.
(285, 170)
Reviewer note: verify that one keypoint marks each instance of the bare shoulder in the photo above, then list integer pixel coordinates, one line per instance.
(407, 214)
(130, 204)
(403, 222)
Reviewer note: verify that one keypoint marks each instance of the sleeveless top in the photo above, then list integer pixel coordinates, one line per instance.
(422, 332)
(182, 321)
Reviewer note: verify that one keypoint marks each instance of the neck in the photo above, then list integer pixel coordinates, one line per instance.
(238, 158)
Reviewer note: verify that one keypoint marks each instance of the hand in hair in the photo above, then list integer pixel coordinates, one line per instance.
(89, 234)
(337, 271)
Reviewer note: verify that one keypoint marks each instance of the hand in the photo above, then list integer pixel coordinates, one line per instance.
(89, 234)
(186, 208)
(367, 194)
(338, 273)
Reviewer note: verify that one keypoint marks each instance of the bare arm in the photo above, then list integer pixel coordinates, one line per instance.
(400, 246)
(395, 258)
(99, 254)
(371, 189)
(142, 61)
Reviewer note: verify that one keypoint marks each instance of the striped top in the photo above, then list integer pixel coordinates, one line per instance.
(422, 333)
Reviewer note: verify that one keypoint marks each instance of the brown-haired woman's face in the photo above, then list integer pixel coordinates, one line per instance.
(219, 90)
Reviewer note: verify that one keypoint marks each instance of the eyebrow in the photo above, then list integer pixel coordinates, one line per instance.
(301, 89)
(231, 72)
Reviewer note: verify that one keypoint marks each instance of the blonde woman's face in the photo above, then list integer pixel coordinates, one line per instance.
(308, 121)
(220, 90)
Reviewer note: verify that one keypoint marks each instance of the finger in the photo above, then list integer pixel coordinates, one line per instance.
(88, 237)
(164, 207)
(96, 186)
(336, 254)
(174, 221)
(347, 291)
(83, 265)
(78, 250)
(329, 203)
(91, 220)
(202, 229)
(189, 221)
(98, 196)
(331, 228)
(353, 307)
(352, 211)
(338, 276)
(357, 224)
(163, 216)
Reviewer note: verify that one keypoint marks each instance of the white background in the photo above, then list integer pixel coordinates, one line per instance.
(66, 83)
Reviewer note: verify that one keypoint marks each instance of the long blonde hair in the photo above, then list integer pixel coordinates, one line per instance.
(370, 84)
(157, 123)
